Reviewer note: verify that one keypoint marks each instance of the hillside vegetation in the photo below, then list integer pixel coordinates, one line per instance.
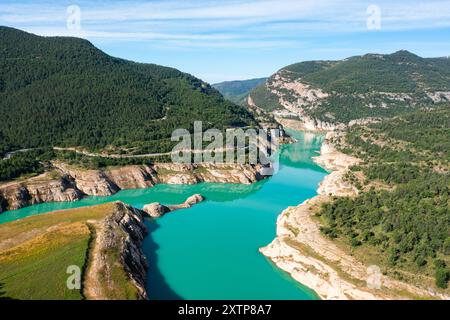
(402, 215)
(372, 85)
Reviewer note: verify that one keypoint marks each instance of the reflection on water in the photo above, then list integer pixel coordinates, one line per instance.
(298, 155)
(210, 251)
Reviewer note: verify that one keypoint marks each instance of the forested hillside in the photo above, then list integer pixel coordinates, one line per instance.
(65, 92)
(372, 85)
(402, 215)
(237, 91)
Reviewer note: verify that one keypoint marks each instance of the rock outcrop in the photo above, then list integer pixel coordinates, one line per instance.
(107, 237)
(70, 183)
(172, 173)
(157, 210)
(192, 200)
(307, 123)
(316, 261)
(43, 188)
(121, 232)
(89, 182)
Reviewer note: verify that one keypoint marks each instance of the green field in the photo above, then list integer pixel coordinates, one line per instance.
(35, 253)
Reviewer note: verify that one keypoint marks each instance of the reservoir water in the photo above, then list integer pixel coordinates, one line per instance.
(210, 251)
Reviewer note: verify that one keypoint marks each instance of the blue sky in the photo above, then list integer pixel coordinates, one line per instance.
(240, 39)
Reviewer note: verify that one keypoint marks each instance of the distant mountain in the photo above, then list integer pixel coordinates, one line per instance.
(65, 92)
(329, 93)
(237, 91)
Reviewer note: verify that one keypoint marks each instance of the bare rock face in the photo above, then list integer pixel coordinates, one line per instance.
(38, 190)
(90, 182)
(181, 178)
(191, 201)
(60, 190)
(156, 210)
(3, 203)
(17, 196)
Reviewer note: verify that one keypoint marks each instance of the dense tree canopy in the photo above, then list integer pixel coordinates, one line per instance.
(65, 92)
(409, 219)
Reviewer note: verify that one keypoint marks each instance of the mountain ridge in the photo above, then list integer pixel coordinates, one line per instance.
(237, 90)
(64, 91)
(330, 93)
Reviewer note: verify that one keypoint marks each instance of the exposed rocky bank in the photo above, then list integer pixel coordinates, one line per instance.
(157, 210)
(118, 234)
(69, 183)
(317, 262)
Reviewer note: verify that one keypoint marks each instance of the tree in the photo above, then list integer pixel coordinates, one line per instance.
(442, 277)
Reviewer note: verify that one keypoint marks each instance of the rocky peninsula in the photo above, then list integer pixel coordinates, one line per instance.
(113, 262)
(316, 261)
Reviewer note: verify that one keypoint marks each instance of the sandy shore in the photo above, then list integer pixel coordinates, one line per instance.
(315, 261)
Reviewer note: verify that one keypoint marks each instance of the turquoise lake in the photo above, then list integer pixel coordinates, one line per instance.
(210, 251)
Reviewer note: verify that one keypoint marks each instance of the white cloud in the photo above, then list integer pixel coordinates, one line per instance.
(224, 24)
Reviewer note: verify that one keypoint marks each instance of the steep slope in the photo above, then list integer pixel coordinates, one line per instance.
(328, 94)
(379, 228)
(64, 182)
(102, 242)
(401, 217)
(237, 91)
(65, 92)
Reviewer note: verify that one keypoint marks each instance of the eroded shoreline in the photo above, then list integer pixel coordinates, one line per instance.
(66, 183)
(315, 261)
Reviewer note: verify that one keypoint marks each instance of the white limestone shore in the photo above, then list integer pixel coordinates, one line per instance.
(315, 261)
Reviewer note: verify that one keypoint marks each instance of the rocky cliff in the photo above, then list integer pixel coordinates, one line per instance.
(44, 188)
(104, 243)
(69, 183)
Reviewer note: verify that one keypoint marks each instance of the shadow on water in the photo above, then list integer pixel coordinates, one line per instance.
(157, 287)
